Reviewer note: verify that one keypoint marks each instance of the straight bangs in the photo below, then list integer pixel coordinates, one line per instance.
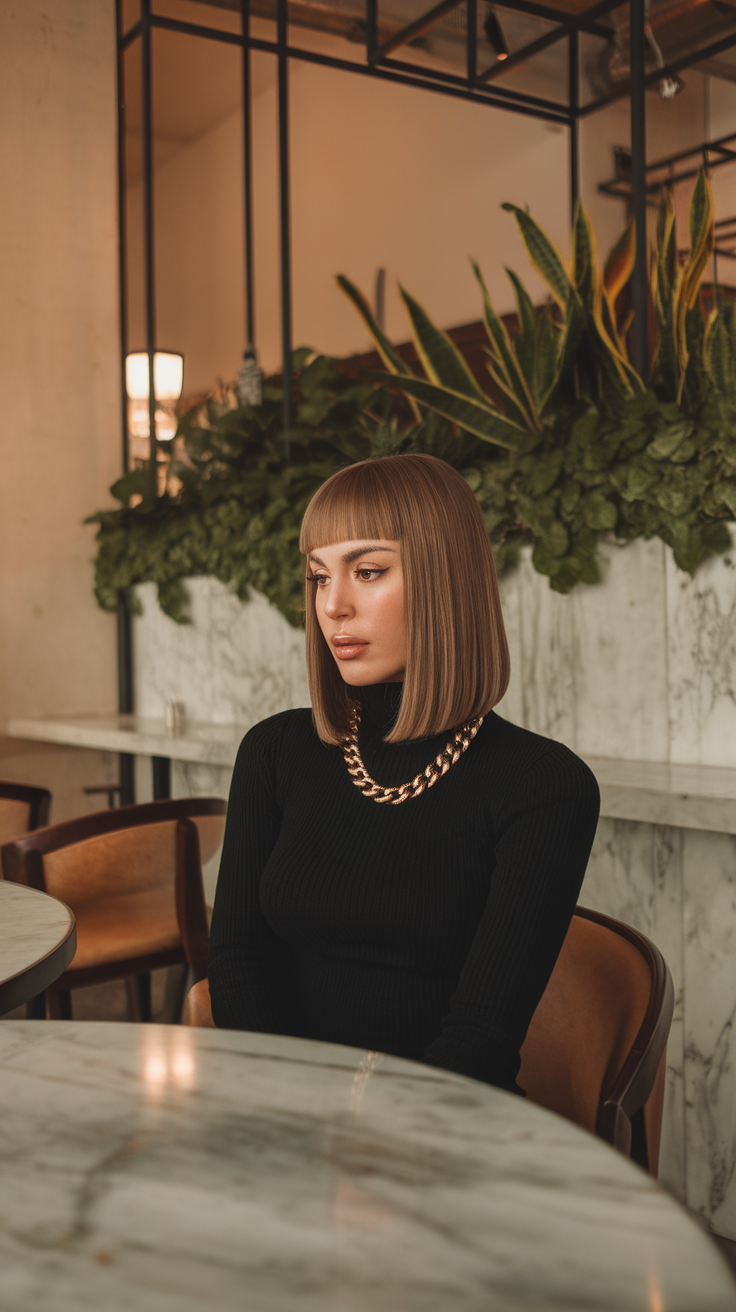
(351, 505)
(457, 665)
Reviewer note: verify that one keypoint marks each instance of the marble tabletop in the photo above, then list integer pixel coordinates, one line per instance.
(170, 1169)
(686, 796)
(37, 942)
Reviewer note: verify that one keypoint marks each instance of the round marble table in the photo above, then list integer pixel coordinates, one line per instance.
(170, 1169)
(37, 941)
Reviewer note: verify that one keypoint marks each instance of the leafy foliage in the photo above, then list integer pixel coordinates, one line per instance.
(233, 506)
(590, 448)
(579, 446)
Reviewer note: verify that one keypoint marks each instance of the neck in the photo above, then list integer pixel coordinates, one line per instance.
(380, 704)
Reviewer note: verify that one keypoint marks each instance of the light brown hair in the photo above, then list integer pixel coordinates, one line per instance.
(457, 663)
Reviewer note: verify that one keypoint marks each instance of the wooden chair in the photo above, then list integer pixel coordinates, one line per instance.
(133, 878)
(596, 1047)
(595, 1051)
(22, 808)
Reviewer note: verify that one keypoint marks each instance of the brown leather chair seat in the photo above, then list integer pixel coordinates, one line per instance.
(133, 879)
(595, 1051)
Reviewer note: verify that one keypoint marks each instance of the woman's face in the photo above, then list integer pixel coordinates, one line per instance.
(359, 600)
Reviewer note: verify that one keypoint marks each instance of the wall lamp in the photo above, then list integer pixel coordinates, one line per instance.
(168, 379)
(492, 29)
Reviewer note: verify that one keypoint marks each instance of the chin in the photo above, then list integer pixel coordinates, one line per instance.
(363, 678)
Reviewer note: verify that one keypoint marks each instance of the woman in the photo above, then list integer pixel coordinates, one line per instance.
(387, 881)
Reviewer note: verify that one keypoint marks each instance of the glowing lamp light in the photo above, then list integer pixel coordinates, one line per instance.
(168, 379)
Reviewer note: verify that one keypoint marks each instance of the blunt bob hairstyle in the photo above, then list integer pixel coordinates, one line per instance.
(457, 664)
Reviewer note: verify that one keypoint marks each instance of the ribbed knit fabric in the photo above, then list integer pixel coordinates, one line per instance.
(427, 930)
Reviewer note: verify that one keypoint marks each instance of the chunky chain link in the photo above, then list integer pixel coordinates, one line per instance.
(426, 779)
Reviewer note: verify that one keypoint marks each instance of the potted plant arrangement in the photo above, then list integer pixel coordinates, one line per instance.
(569, 443)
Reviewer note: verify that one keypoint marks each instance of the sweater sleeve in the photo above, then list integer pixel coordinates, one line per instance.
(247, 970)
(542, 844)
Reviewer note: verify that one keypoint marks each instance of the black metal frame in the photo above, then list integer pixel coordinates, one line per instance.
(479, 87)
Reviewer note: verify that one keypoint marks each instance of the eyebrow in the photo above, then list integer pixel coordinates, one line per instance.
(352, 555)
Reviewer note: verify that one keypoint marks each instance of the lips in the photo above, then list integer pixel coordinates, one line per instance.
(347, 647)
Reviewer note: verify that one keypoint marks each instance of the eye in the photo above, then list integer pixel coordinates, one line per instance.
(367, 573)
(319, 580)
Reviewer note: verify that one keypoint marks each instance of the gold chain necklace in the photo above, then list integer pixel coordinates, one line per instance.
(426, 779)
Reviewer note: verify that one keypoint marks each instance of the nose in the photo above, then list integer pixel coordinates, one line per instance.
(338, 605)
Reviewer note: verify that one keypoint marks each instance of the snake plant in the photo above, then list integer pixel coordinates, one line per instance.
(590, 446)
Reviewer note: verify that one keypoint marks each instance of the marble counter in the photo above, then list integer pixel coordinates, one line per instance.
(207, 744)
(187, 1170)
(690, 797)
(37, 942)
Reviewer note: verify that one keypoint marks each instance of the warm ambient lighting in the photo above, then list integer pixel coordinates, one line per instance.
(168, 378)
(168, 1060)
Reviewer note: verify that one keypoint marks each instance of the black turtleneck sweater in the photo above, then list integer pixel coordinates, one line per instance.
(427, 930)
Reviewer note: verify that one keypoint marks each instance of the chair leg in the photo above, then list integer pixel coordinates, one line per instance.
(36, 1008)
(143, 990)
(639, 1152)
(59, 1002)
(175, 990)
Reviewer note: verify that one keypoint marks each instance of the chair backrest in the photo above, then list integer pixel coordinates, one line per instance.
(22, 808)
(596, 1045)
(127, 860)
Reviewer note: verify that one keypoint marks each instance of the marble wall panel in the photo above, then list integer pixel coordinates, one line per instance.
(620, 655)
(234, 663)
(510, 706)
(635, 875)
(702, 663)
(709, 947)
(590, 669)
(545, 675)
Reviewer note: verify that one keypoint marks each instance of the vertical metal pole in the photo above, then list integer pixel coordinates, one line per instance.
(640, 282)
(122, 229)
(124, 643)
(371, 29)
(125, 693)
(250, 312)
(286, 349)
(148, 229)
(471, 7)
(573, 56)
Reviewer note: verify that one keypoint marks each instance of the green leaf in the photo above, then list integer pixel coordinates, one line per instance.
(556, 538)
(527, 317)
(544, 473)
(543, 254)
(727, 494)
(598, 512)
(674, 498)
(546, 359)
(507, 373)
(474, 416)
(388, 354)
(442, 362)
(664, 446)
(583, 257)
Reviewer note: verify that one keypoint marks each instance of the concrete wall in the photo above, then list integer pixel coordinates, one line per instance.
(59, 439)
